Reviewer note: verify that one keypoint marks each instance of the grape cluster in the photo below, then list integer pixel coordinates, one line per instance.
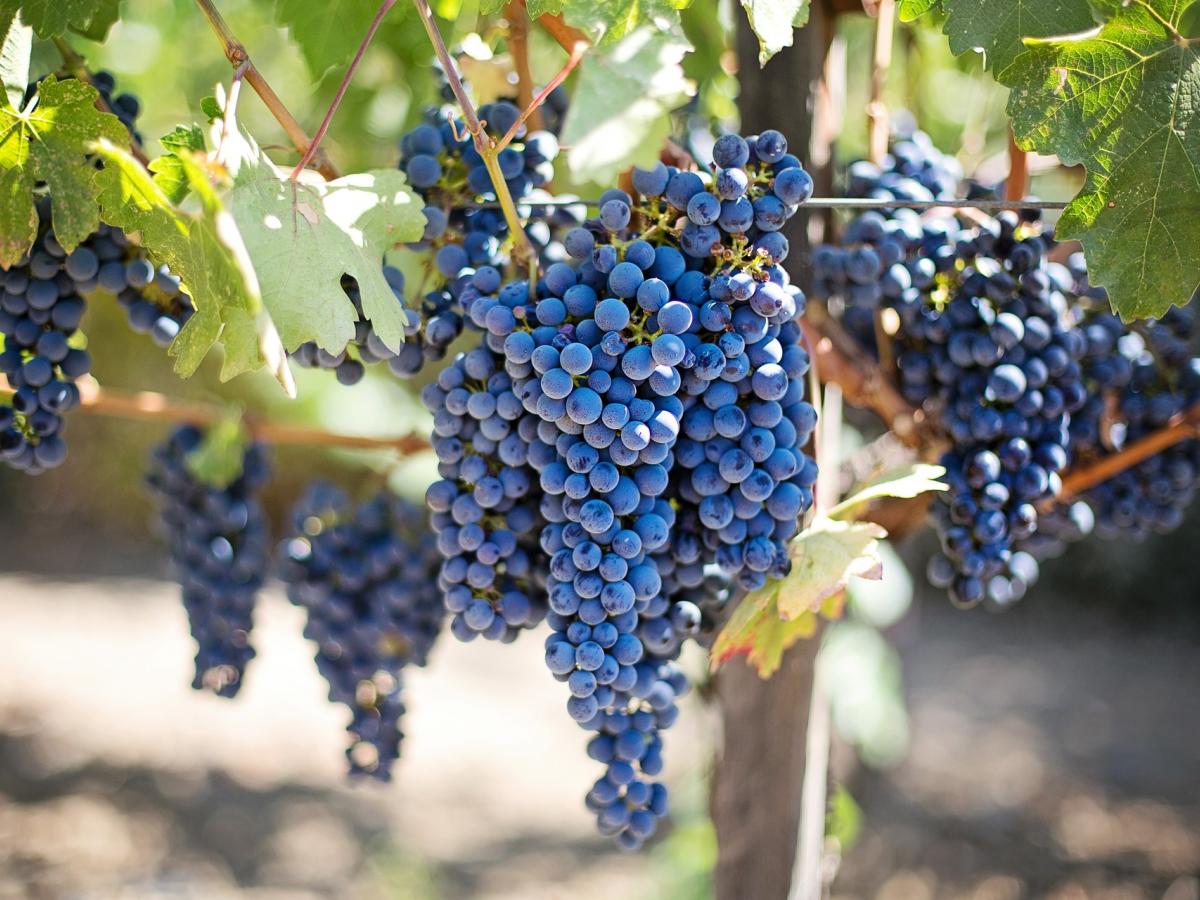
(365, 576)
(40, 310)
(220, 550)
(366, 347)
(641, 409)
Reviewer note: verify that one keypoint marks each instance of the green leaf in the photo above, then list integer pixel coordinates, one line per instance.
(901, 484)
(210, 108)
(48, 141)
(825, 556)
(1122, 101)
(304, 236)
(998, 27)
(221, 456)
(914, 9)
(168, 169)
(206, 252)
(49, 18)
(328, 31)
(607, 21)
(758, 633)
(773, 21)
(16, 45)
(620, 112)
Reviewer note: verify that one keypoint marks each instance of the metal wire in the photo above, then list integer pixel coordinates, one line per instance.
(834, 203)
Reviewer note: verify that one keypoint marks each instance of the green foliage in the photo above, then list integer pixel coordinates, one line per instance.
(901, 484)
(205, 251)
(845, 819)
(773, 21)
(998, 27)
(327, 32)
(48, 142)
(1122, 102)
(16, 44)
(620, 113)
(219, 459)
(603, 21)
(305, 235)
(50, 18)
(168, 169)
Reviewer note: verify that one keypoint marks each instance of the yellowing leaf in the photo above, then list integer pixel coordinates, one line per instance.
(902, 484)
(758, 633)
(825, 557)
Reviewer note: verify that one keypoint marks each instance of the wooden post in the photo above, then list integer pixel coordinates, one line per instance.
(759, 774)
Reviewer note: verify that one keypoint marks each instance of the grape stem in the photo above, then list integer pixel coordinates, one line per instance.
(384, 7)
(576, 54)
(489, 149)
(148, 406)
(237, 55)
(878, 124)
(76, 66)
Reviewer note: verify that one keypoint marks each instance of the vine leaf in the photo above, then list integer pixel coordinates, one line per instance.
(1122, 101)
(49, 18)
(16, 45)
(620, 113)
(825, 557)
(168, 169)
(327, 32)
(914, 9)
(221, 456)
(773, 21)
(998, 27)
(206, 252)
(305, 235)
(48, 141)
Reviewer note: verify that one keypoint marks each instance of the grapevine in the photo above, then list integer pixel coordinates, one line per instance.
(622, 391)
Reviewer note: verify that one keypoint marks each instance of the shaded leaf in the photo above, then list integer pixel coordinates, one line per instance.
(773, 21)
(326, 31)
(1122, 101)
(49, 18)
(48, 141)
(997, 27)
(620, 112)
(220, 458)
(914, 9)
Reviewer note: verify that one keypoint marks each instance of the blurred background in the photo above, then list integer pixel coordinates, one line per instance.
(1052, 751)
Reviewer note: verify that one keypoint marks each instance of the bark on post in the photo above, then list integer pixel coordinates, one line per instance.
(759, 774)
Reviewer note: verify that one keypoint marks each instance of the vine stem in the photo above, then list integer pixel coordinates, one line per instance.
(878, 124)
(576, 54)
(237, 55)
(149, 406)
(518, 45)
(384, 7)
(75, 64)
(1183, 427)
(1018, 170)
(485, 145)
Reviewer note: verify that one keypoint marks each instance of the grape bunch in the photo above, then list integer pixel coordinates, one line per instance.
(642, 405)
(220, 549)
(366, 578)
(41, 308)
(366, 347)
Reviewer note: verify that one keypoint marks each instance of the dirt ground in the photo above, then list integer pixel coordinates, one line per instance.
(1051, 757)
